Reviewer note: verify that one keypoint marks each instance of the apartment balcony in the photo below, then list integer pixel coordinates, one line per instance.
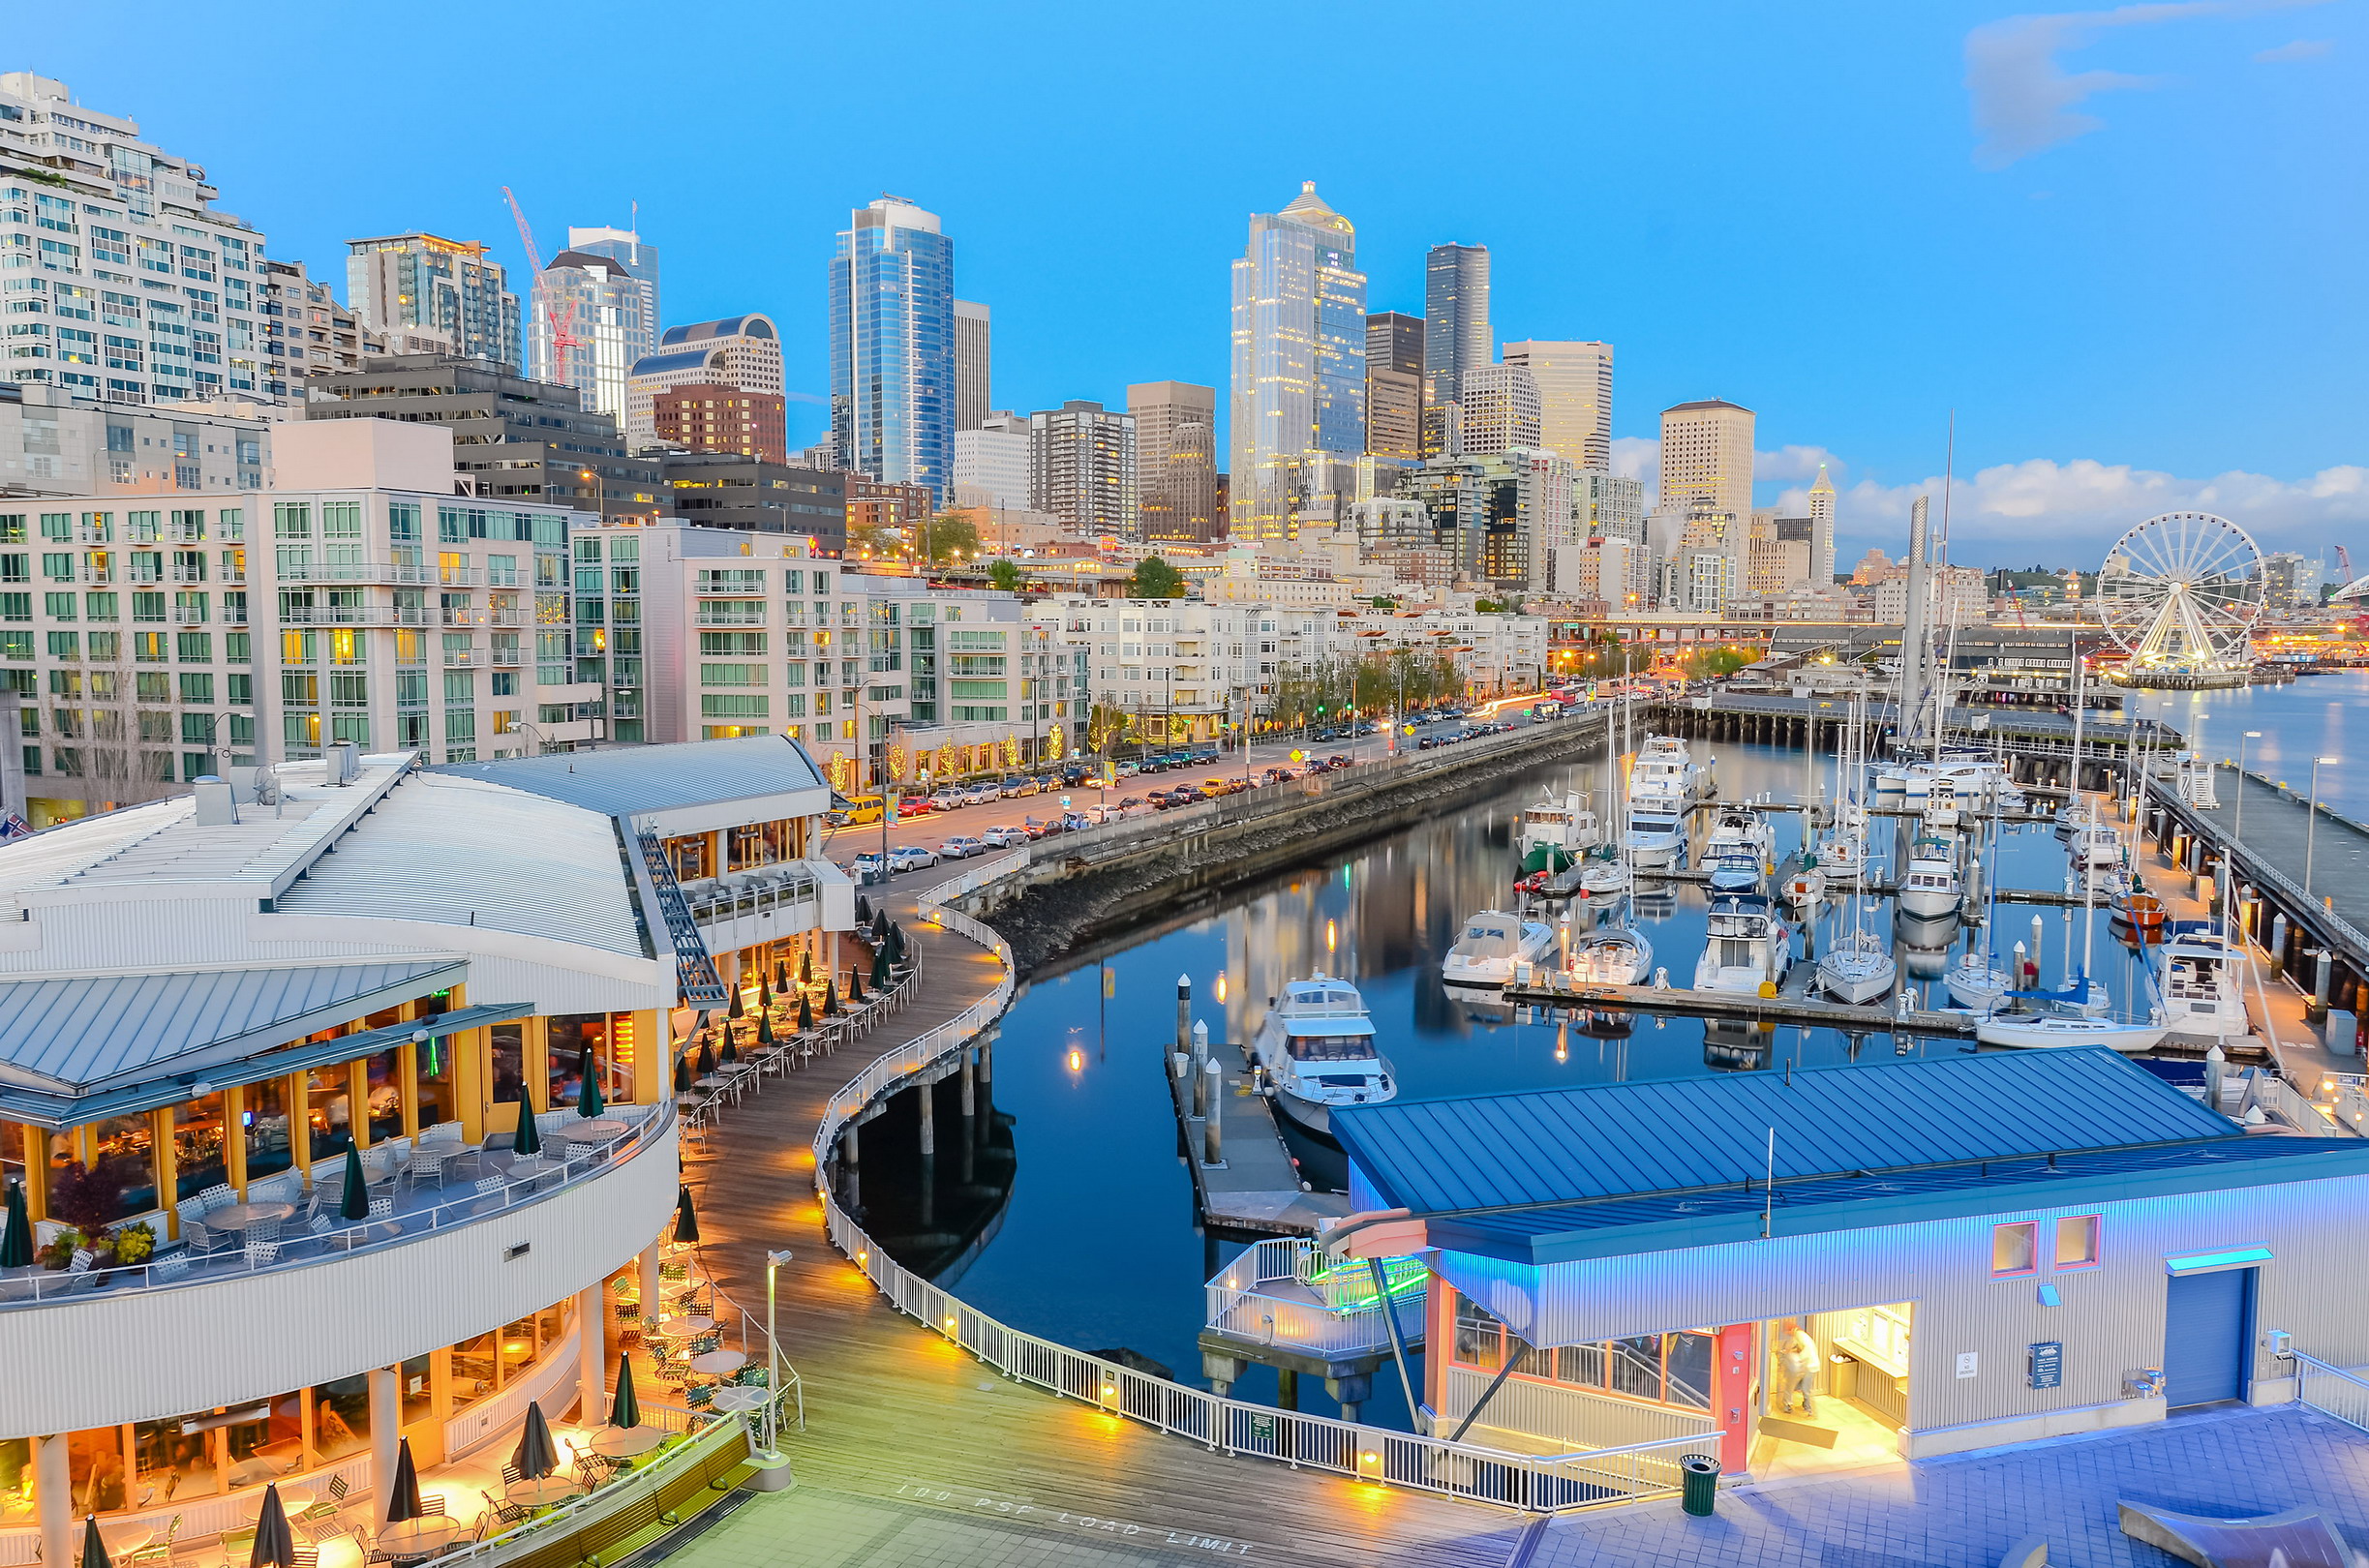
(506, 618)
(507, 658)
(183, 614)
(465, 616)
(94, 574)
(188, 574)
(358, 571)
(359, 615)
(465, 658)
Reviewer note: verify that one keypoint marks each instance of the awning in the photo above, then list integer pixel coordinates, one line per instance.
(2234, 1257)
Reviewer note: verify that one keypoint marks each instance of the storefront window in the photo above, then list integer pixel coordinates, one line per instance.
(569, 1034)
(12, 1158)
(16, 1471)
(329, 1103)
(517, 1347)
(341, 1417)
(432, 1072)
(1665, 1369)
(266, 1115)
(385, 1096)
(93, 1466)
(120, 1182)
(1480, 1340)
(418, 1383)
(174, 1462)
(260, 1448)
(200, 1159)
(615, 1057)
(509, 1048)
(474, 1369)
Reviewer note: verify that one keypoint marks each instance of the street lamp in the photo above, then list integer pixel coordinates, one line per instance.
(772, 1465)
(2239, 831)
(2310, 827)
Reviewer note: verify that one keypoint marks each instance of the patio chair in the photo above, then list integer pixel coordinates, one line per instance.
(263, 1254)
(504, 1513)
(432, 1502)
(338, 1488)
(425, 1165)
(320, 1226)
(168, 1268)
(265, 1230)
(699, 1396)
(217, 1195)
(511, 1475)
(198, 1240)
(382, 1206)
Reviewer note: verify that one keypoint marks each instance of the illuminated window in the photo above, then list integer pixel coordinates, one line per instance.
(2014, 1249)
(2077, 1241)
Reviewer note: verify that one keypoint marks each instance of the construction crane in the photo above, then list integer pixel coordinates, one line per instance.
(561, 323)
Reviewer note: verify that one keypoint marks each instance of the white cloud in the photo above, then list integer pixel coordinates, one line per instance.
(1637, 457)
(2302, 48)
(1792, 463)
(2023, 99)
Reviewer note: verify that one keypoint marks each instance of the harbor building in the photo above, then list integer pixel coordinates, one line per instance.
(231, 1020)
(1844, 1266)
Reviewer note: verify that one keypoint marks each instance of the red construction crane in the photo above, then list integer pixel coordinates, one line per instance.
(561, 322)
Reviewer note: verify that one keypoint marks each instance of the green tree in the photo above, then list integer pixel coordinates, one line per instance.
(1006, 575)
(1155, 579)
(948, 536)
(1105, 726)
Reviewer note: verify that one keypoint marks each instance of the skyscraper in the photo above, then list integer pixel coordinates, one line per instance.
(445, 286)
(1822, 531)
(1707, 458)
(974, 386)
(1456, 335)
(1081, 467)
(991, 463)
(1500, 410)
(1394, 385)
(1177, 460)
(891, 291)
(739, 352)
(594, 318)
(1574, 398)
(1299, 360)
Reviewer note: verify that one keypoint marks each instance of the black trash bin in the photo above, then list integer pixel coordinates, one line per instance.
(1699, 1483)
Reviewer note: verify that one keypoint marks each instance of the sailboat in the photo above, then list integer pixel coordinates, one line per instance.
(2039, 1031)
(1979, 979)
(1858, 968)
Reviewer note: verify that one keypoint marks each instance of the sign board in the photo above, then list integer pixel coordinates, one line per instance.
(1970, 1363)
(2046, 1366)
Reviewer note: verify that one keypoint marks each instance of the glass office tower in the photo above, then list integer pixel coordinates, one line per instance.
(1298, 360)
(892, 347)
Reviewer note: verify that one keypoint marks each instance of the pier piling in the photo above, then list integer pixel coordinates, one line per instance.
(1204, 1091)
(1212, 1090)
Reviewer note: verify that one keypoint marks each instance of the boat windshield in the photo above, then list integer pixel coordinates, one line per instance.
(1332, 1047)
(1652, 824)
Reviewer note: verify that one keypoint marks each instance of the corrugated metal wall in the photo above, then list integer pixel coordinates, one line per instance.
(1545, 1409)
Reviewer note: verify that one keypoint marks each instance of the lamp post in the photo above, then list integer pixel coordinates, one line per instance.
(2312, 825)
(773, 1466)
(2238, 829)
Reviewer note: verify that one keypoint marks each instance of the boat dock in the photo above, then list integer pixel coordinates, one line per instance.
(1255, 1186)
(1787, 1007)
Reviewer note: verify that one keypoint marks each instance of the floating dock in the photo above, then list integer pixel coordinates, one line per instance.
(1772, 1009)
(1256, 1186)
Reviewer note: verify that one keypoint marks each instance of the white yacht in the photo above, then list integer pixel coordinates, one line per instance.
(1555, 833)
(1857, 968)
(1747, 946)
(1612, 956)
(1737, 830)
(1843, 854)
(2202, 977)
(1735, 873)
(1491, 943)
(1931, 887)
(2095, 844)
(1666, 767)
(1657, 830)
(2030, 1031)
(1978, 979)
(1317, 1045)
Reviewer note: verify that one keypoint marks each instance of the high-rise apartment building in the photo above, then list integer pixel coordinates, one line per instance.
(310, 333)
(1177, 460)
(1822, 531)
(1081, 468)
(1707, 480)
(712, 417)
(1574, 397)
(122, 283)
(891, 295)
(1456, 336)
(1298, 375)
(592, 319)
(973, 382)
(1500, 410)
(1394, 385)
(743, 351)
(640, 262)
(449, 287)
(991, 463)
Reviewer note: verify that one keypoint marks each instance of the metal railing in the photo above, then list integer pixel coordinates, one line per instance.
(1223, 1424)
(711, 903)
(2332, 1391)
(695, 972)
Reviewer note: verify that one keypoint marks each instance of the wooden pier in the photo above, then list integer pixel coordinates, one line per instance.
(1256, 1186)
(1785, 1007)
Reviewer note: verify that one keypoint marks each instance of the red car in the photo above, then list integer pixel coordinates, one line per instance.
(913, 805)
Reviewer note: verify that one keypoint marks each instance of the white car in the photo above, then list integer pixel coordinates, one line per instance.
(982, 795)
(1004, 837)
(910, 857)
(960, 847)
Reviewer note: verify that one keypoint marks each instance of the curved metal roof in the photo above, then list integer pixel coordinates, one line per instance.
(751, 325)
(659, 364)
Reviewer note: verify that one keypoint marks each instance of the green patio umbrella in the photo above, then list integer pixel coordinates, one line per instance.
(682, 1074)
(536, 1455)
(354, 1201)
(732, 1049)
(830, 999)
(805, 966)
(588, 1091)
(403, 1497)
(881, 923)
(781, 975)
(880, 967)
(275, 1544)
(707, 1057)
(855, 986)
(805, 1015)
(765, 990)
(864, 910)
(94, 1547)
(764, 1029)
(734, 1010)
(17, 1241)
(624, 1410)
(528, 1139)
(687, 1220)
(896, 943)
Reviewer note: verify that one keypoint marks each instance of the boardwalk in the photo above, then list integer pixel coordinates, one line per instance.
(916, 1454)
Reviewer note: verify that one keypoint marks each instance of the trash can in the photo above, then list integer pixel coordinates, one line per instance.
(1699, 1483)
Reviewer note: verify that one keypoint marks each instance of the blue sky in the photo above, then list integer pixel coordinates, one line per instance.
(2125, 245)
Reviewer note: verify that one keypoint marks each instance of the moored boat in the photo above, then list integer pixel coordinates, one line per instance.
(1318, 1048)
(1491, 943)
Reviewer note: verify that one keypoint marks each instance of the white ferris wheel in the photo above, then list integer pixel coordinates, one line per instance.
(2180, 593)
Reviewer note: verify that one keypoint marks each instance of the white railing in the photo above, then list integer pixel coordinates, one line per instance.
(723, 902)
(2332, 1391)
(1263, 1318)
(1223, 1424)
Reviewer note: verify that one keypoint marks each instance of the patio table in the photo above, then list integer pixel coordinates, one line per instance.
(422, 1537)
(625, 1442)
(295, 1499)
(738, 1398)
(123, 1538)
(684, 1328)
(719, 1363)
(239, 1216)
(592, 1130)
(541, 1493)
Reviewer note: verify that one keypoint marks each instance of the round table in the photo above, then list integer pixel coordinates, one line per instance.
(719, 1363)
(542, 1491)
(739, 1398)
(710, 1083)
(684, 1328)
(420, 1537)
(530, 1166)
(592, 1130)
(123, 1538)
(626, 1442)
(293, 1500)
(239, 1216)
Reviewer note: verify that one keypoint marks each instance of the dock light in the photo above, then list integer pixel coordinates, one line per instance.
(950, 1323)
(1332, 936)
(863, 1258)
(1220, 985)
(1078, 1059)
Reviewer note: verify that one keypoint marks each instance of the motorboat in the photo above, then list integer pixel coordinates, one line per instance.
(1612, 956)
(1735, 873)
(2200, 974)
(2073, 814)
(1941, 812)
(1317, 1046)
(1805, 884)
(2140, 913)
(1970, 776)
(2095, 844)
(1737, 830)
(1492, 944)
(1608, 879)
(1557, 832)
(1748, 947)
(1930, 886)
(2027, 1031)
(1857, 968)
(1666, 767)
(1657, 830)
(1978, 979)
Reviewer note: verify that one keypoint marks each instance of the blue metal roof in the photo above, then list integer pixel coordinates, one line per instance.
(1621, 1141)
(687, 359)
(631, 780)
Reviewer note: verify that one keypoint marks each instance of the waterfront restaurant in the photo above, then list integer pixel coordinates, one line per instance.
(212, 1007)
(1952, 1253)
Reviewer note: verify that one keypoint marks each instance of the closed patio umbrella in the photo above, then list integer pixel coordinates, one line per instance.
(682, 1074)
(536, 1455)
(765, 990)
(896, 943)
(830, 999)
(707, 1057)
(880, 923)
(781, 975)
(354, 1201)
(805, 1015)
(686, 1219)
(17, 1241)
(731, 1050)
(403, 1497)
(275, 1544)
(94, 1547)
(880, 967)
(805, 966)
(528, 1140)
(624, 1410)
(765, 1030)
(588, 1092)
(864, 910)
(734, 1010)
(855, 986)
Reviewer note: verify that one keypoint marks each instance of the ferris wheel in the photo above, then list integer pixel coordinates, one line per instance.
(2180, 593)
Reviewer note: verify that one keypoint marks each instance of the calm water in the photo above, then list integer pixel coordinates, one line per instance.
(1097, 1247)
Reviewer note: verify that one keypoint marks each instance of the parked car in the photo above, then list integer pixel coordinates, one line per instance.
(870, 867)
(910, 857)
(1125, 769)
(1008, 788)
(1003, 837)
(1027, 786)
(960, 847)
(981, 794)
(912, 806)
(1131, 805)
(947, 799)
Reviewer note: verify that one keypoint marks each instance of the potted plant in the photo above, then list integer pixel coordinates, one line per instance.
(59, 1250)
(133, 1243)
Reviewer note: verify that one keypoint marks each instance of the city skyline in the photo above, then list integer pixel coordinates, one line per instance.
(1849, 318)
